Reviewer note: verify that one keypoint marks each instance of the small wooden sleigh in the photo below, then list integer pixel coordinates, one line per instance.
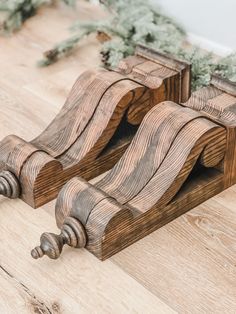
(94, 127)
(181, 156)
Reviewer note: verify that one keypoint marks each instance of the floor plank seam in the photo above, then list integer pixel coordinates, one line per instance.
(38, 305)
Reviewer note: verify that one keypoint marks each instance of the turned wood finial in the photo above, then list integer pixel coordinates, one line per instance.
(72, 234)
(9, 185)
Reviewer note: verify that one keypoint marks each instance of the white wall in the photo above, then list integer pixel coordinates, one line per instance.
(210, 23)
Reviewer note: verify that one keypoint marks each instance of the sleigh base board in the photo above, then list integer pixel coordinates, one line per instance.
(194, 192)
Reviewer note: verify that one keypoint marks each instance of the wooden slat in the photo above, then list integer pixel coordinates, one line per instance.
(78, 283)
(190, 263)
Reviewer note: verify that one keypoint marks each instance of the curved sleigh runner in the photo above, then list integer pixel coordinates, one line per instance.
(94, 127)
(181, 156)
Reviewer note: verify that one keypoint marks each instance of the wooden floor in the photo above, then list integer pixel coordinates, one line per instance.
(188, 266)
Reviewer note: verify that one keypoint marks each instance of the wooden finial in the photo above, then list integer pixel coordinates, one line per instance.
(9, 185)
(72, 234)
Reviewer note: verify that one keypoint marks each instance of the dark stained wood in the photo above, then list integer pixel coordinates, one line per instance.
(180, 156)
(94, 127)
(72, 233)
(218, 102)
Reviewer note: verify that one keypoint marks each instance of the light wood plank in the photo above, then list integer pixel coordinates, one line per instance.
(9, 288)
(190, 263)
(78, 282)
(22, 51)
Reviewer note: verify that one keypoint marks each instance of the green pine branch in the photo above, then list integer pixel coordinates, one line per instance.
(138, 21)
(18, 11)
(129, 23)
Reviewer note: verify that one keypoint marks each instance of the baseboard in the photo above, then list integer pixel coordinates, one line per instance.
(207, 44)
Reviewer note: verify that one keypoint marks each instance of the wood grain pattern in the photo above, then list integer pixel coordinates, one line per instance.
(190, 262)
(39, 289)
(95, 126)
(218, 102)
(177, 159)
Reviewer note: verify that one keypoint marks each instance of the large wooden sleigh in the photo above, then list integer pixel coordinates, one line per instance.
(181, 155)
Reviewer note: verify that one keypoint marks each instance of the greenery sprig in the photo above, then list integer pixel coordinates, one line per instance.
(138, 21)
(18, 11)
(128, 23)
(204, 64)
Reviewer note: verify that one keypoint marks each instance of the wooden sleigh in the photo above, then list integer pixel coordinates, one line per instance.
(94, 127)
(181, 156)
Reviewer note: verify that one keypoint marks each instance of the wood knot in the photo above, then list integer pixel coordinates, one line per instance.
(9, 185)
(72, 234)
